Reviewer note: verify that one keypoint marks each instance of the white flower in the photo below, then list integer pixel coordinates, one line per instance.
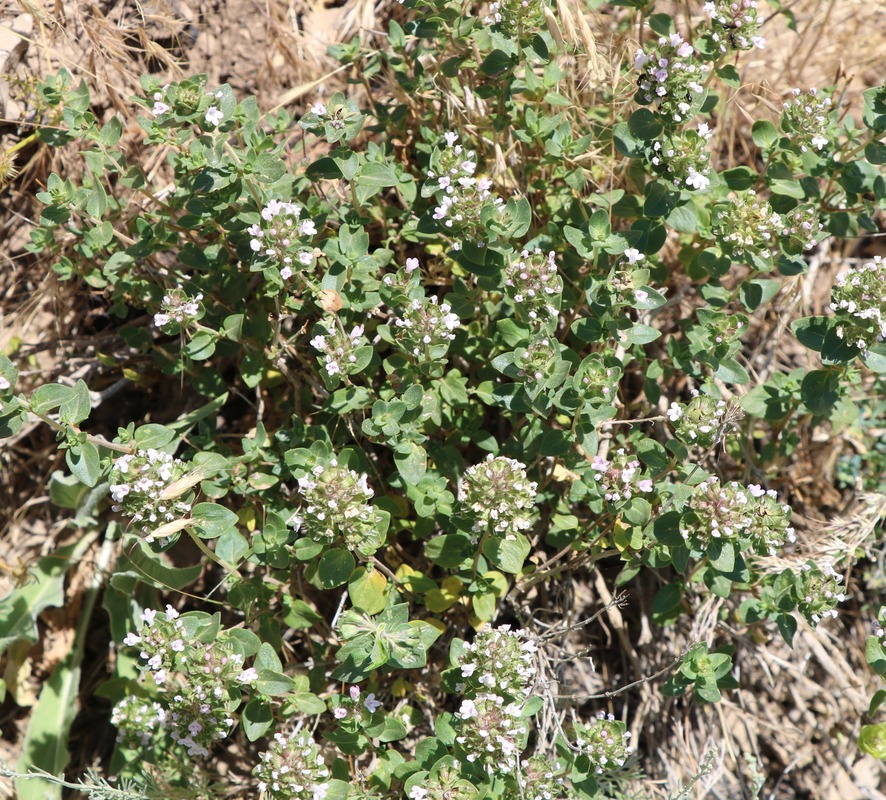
(467, 709)
(411, 265)
(213, 116)
(696, 180)
(248, 675)
(641, 296)
(148, 616)
(318, 108)
(674, 412)
(450, 138)
(633, 255)
(372, 705)
(417, 793)
(159, 108)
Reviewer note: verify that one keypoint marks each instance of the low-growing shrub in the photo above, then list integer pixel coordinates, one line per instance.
(469, 330)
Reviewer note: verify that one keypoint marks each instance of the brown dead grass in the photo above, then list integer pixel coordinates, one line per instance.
(799, 710)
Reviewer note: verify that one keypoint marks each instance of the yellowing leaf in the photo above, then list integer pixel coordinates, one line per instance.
(438, 600)
(246, 515)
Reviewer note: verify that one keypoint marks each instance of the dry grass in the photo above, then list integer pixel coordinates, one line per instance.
(799, 710)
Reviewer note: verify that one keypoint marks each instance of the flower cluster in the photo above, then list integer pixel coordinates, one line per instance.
(292, 769)
(340, 350)
(351, 706)
(426, 327)
(619, 479)
(136, 721)
(499, 496)
(283, 237)
(604, 741)
(194, 677)
(178, 307)
(800, 229)
(734, 24)
(538, 360)
(490, 733)
(444, 783)
(819, 591)
(670, 79)
(539, 780)
(499, 660)
(533, 286)
(806, 119)
(462, 196)
(336, 507)
(161, 106)
(405, 278)
(596, 379)
(746, 225)
(704, 421)
(859, 299)
(515, 18)
(682, 157)
(336, 119)
(752, 516)
(142, 487)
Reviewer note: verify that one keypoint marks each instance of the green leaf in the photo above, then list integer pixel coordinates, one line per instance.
(787, 626)
(764, 134)
(875, 152)
(153, 435)
(820, 390)
(449, 550)
(730, 371)
(377, 176)
(876, 701)
(835, 350)
(212, 520)
(77, 407)
(50, 396)
(257, 719)
(84, 462)
(875, 358)
(722, 556)
(507, 554)
(111, 132)
(739, 178)
(231, 546)
(412, 462)
(45, 744)
(334, 568)
(201, 347)
(641, 334)
(811, 331)
(666, 604)
(644, 125)
(272, 683)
